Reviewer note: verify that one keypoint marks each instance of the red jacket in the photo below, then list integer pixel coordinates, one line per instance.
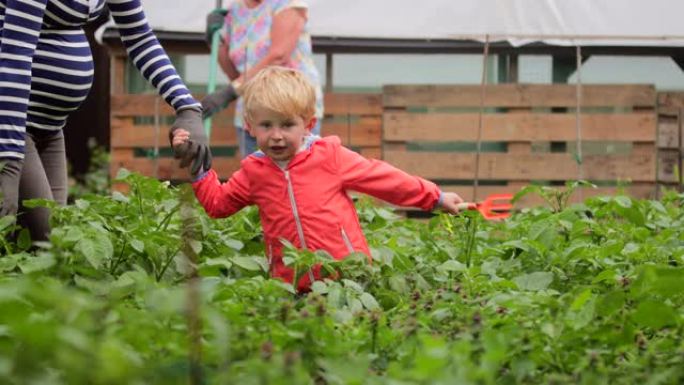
(307, 202)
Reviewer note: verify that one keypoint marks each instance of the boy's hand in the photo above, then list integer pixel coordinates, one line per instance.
(180, 140)
(180, 136)
(450, 202)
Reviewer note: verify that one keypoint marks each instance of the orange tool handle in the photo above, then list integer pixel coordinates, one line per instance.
(466, 206)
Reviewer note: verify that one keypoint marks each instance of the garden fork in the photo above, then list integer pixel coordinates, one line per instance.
(494, 207)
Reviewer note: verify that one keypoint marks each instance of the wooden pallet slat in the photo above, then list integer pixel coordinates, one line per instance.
(519, 95)
(533, 127)
(168, 167)
(512, 167)
(134, 136)
(353, 104)
(672, 100)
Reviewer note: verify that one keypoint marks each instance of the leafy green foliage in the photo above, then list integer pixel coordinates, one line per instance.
(590, 293)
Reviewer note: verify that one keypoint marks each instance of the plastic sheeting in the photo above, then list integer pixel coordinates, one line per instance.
(557, 22)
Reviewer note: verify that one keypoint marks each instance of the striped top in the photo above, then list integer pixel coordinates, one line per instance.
(46, 67)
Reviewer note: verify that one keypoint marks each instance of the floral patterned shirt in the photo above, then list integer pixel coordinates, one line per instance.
(249, 34)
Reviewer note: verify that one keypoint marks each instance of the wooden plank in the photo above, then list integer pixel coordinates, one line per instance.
(516, 148)
(121, 122)
(365, 104)
(341, 129)
(352, 104)
(366, 131)
(515, 167)
(522, 147)
(374, 152)
(668, 166)
(398, 147)
(668, 112)
(641, 148)
(117, 158)
(335, 104)
(139, 105)
(518, 95)
(168, 167)
(671, 99)
(133, 136)
(668, 133)
(118, 74)
(542, 127)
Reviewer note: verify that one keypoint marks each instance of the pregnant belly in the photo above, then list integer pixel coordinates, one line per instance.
(62, 75)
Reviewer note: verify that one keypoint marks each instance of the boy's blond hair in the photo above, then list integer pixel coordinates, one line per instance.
(280, 89)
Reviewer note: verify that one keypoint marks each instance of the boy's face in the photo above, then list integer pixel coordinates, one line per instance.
(277, 135)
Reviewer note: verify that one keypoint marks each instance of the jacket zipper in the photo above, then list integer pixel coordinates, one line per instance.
(295, 213)
(346, 240)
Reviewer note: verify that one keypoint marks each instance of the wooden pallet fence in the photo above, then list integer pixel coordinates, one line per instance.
(421, 122)
(140, 123)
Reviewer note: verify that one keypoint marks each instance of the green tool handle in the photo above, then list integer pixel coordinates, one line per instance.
(213, 70)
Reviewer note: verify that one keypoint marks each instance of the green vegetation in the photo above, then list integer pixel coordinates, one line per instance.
(583, 294)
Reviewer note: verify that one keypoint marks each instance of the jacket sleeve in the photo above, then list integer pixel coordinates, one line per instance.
(148, 55)
(20, 29)
(384, 181)
(222, 200)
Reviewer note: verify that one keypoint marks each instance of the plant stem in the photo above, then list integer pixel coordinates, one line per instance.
(471, 226)
(167, 219)
(117, 261)
(138, 192)
(167, 263)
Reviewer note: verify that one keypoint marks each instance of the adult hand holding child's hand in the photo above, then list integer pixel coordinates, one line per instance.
(194, 150)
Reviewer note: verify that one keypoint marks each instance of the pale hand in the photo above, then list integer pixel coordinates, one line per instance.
(180, 136)
(450, 202)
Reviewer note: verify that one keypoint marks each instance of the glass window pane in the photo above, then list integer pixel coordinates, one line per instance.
(366, 72)
(536, 69)
(661, 71)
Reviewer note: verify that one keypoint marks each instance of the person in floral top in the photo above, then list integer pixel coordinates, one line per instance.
(257, 34)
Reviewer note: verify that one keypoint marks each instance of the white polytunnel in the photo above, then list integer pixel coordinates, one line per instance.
(554, 22)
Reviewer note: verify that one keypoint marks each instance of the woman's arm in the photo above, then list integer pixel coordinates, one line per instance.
(20, 30)
(226, 64)
(148, 55)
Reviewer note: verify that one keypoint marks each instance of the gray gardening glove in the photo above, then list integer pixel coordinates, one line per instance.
(9, 186)
(195, 152)
(215, 22)
(218, 100)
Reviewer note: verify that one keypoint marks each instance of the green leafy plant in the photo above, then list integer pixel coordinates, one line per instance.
(590, 293)
(556, 198)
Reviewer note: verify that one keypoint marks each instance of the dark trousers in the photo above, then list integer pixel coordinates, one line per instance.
(44, 176)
